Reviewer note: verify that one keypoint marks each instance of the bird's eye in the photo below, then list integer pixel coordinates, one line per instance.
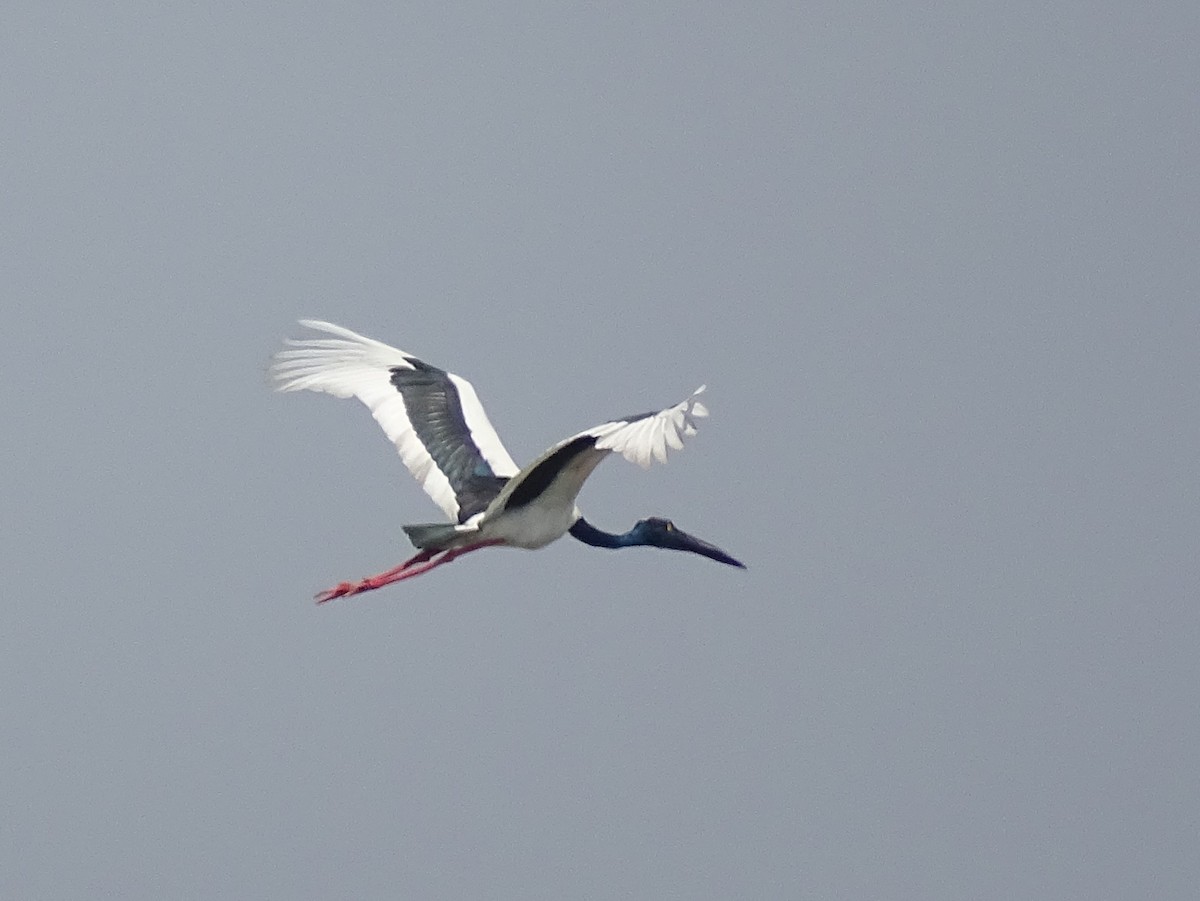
(670, 526)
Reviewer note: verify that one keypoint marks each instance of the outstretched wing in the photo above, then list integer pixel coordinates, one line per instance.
(433, 417)
(563, 469)
(648, 435)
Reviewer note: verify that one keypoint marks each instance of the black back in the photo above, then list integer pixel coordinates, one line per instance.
(544, 473)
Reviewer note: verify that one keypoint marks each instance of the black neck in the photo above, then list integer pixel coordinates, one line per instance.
(589, 534)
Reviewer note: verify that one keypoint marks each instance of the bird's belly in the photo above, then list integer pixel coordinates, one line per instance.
(530, 527)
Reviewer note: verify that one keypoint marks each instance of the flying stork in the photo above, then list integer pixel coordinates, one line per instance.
(444, 437)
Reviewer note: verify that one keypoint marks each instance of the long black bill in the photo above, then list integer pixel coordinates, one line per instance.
(685, 542)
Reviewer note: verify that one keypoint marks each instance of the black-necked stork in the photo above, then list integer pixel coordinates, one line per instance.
(444, 437)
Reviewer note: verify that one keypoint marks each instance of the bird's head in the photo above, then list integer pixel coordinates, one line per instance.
(658, 532)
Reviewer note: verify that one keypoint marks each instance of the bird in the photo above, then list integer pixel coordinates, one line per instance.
(444, 437)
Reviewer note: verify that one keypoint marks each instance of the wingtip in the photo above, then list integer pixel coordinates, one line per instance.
(321, 325)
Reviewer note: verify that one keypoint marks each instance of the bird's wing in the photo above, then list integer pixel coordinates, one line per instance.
(647, 436)
(433, 417)
(640, 439)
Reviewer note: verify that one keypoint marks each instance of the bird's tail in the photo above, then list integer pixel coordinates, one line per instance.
(434, 535)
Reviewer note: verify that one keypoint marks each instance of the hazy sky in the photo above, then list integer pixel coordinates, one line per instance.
(939, 269)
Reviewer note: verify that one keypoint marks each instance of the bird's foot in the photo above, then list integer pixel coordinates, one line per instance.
(345, 589)
(341, 590)
(370, 583)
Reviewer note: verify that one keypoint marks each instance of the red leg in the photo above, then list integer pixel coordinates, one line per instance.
(420, 563)
(347, 588)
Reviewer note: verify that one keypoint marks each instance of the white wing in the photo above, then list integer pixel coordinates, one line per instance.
(641, 439)
(433, 417)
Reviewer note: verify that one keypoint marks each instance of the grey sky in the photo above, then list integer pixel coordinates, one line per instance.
(938, 268)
